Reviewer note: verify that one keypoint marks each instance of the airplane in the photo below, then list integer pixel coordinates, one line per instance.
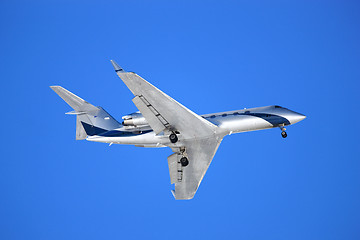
(163, 122)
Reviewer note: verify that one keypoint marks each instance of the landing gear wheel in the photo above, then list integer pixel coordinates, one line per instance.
(173, 138)
(184, 161)
(284, 134)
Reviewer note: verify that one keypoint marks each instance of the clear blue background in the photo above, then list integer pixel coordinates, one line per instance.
(211, 56)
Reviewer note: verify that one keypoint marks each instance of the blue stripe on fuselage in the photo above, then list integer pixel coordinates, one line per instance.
(92, 130)
(116, 133)
(271, 118)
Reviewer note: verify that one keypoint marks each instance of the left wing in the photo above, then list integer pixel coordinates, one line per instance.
(161, 111)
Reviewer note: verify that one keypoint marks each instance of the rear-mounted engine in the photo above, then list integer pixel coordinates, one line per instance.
(134, 119)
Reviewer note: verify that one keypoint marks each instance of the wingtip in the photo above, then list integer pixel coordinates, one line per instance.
(173, 193)
(116, 66)
(54, 87)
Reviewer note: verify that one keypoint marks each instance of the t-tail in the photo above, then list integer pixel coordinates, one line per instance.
(90, 120)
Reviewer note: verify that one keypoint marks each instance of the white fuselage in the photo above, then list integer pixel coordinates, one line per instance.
(227, 122)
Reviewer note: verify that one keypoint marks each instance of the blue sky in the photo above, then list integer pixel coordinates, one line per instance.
(211, 56)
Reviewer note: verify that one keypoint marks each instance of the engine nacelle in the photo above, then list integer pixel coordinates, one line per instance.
(134, 119)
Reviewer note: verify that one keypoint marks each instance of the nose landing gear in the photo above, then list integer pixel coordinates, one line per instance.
(283, 133)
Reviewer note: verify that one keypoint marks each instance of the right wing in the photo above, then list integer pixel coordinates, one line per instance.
(187, 179)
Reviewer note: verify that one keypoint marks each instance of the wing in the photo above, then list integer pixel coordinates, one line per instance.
(161, 111)
(187, 179)
(199, 138)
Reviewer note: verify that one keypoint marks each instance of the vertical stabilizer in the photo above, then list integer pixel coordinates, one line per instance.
(80, 131)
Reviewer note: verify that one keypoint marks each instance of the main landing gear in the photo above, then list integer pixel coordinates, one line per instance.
(283, 133)
(173, 138)
(184, 161)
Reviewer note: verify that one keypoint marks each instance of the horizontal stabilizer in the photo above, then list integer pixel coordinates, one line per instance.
(77, 103)
(90, 120)
(75, 113)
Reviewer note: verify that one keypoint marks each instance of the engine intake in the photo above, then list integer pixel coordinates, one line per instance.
(134, 119)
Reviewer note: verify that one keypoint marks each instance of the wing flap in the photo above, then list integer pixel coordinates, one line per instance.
(175, 168)
(150, 114)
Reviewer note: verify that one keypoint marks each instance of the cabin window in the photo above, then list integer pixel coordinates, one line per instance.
(213, 116)
(236, 113)
(247, 112)
(224, 115)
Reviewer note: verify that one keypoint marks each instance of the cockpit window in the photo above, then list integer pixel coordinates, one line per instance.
(224, 115)
(277, 106)
(212, 116)
(236, 113)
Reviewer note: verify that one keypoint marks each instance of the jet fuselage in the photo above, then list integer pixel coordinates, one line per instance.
(229, 122)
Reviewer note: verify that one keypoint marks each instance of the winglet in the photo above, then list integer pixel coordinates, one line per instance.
(173, 193)
(116, 66)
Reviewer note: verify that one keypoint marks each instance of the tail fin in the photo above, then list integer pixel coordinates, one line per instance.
(90, 120)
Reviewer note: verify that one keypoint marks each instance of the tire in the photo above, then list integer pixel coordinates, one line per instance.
(173, 138)
(184, 161)
(284, 134)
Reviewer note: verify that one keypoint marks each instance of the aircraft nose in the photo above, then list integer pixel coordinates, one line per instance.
(296, 117)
